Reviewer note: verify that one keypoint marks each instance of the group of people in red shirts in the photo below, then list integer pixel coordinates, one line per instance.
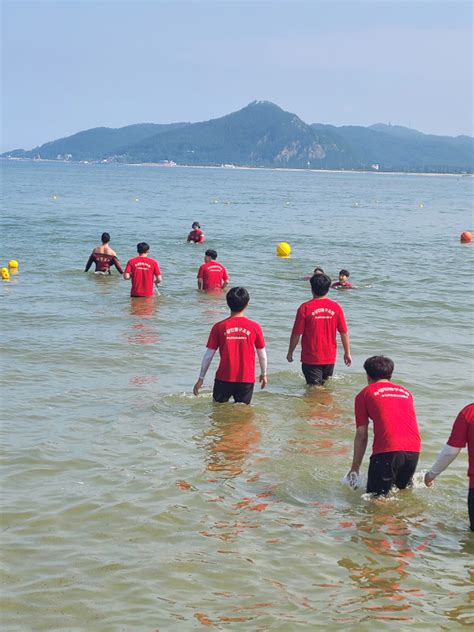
(396, 439)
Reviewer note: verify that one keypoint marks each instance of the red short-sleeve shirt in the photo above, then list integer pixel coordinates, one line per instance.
(236, 338)
(317, 321)
(142, 270)
(462, 433)
(213, 274)
(391, 408)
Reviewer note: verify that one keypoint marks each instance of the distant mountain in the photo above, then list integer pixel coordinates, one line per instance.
(94, 144)
(263, 135)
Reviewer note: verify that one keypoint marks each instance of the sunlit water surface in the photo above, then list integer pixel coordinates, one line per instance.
(129, 504)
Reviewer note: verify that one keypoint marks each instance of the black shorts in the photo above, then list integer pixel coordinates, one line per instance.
(317, 374)
(389, 469)
(470, 505)
(240, 391)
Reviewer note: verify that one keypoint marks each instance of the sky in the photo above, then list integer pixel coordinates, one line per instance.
(69, 65)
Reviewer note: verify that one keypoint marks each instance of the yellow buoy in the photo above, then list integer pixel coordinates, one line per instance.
(13, 263)
(5, 274)
(283, 249)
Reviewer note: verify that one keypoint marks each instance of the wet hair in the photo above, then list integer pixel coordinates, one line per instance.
(142, 247)
(196, 225)
(344, 272)
(237, 299)
(318, 271)
(379, 367)
(320, 284)
(211, 253)
(105, 238)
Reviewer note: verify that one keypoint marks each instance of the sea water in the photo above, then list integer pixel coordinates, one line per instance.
(130, 504)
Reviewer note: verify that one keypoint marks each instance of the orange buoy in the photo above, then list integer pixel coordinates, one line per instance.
(466, 237)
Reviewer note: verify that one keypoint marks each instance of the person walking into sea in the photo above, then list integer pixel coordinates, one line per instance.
(236, 337)
(462, 434)
(212, 275)
(196, 236)
(143, 271)
(317, 322)
(104, 257)
(396, 446)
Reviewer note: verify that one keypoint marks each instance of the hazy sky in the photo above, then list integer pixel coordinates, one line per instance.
(69, 65)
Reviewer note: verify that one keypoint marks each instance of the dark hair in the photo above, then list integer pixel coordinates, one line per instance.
(211, 253)
(344, 272)
(318, 270)
(196, 224)
(237, 299)
(105, 238)
(142, 247)
(379, 367)
(320, 284)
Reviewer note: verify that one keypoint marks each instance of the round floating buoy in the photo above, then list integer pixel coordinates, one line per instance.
(137, 199)
(5, 274)
(13, 263)
(283, 249)
(466, 237)
(55, 197)
(421, 205)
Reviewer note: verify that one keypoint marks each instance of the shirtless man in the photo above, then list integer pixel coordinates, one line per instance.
(103, 256)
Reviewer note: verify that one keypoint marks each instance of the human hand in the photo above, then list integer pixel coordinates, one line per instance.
(263, 381)
(347, 359)
(428, 480)
(289, 356)
(197, 386)
(353, 479)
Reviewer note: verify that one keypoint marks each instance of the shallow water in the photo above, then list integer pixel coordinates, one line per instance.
(129, 504)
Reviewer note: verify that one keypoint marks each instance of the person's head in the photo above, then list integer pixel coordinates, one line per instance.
(210, 255)
(318, 271)
(343, 275)
(196, 225)
(378, 368)
(320, 284)
(142, 248)
(237, 299)
(105, 238)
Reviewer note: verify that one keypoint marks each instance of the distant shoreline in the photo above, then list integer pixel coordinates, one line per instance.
(239, 167)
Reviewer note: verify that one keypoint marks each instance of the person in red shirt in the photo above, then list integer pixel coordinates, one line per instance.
(317, 322)
(196, 236)
(462, 433)
(104, 257)
(212, 275)
(236, 337)
(397, 444)
(144, 271)
(343, 283)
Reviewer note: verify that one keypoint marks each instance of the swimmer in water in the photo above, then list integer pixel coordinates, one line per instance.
(196, 236)
(212, 275)
(343, 283)
(317, 270)
(103, 256)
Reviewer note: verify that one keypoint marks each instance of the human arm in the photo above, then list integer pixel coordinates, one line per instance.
(117, 264)
(262, 360)
(294, 340)
(445, 458)
(206, 362)
(347, 348)
(360, 446)
(158, 279)
(200, 283)
(225, 279)
(90, 261)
